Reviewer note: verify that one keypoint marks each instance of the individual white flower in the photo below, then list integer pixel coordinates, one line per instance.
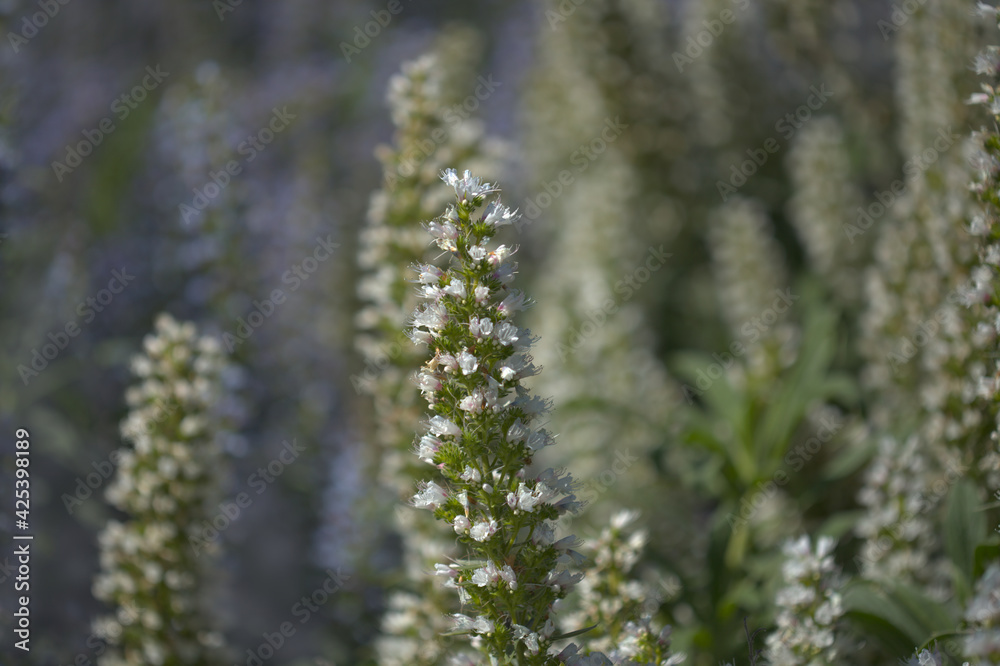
(514, 302)
(427, 448)
(467, 362)
(506, 333)
(487, 575)
(462, 524)
(440, 425)
(480, 327)
(483, 529)
(428, 273)
(498, 215)
(430, 496)
(456, 288)
(468, 188)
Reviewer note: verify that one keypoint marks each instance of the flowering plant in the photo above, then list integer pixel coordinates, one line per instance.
(481, 437)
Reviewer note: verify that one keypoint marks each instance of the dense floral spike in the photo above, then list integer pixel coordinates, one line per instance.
(153, 567)
(982, 645)
(897, 526)
(483, 434)
(618, 604)
(749, 270)
(808, 607)
(918, 335)
(824, 200)
(421, 99)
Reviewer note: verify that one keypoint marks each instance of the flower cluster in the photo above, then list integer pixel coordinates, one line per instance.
(897, 526)
(166, 483)
(983, 616)
(808, 606)
(749, 270)
(482, 435)
(419, 99)
(612, 599)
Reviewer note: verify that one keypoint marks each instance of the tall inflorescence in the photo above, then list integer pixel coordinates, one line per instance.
(981, 293)
(483, 434)
(585, 104)
(809, 606)
(823, 202)
(614, 600)
(982, 645)
(917, 336)
(749, 270)
(153, 570)
(429, 135)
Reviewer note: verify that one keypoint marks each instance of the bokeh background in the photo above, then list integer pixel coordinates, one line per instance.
(738, 138)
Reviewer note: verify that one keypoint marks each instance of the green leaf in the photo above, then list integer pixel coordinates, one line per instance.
(574, 633)
(901, 617)
(964, 528)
